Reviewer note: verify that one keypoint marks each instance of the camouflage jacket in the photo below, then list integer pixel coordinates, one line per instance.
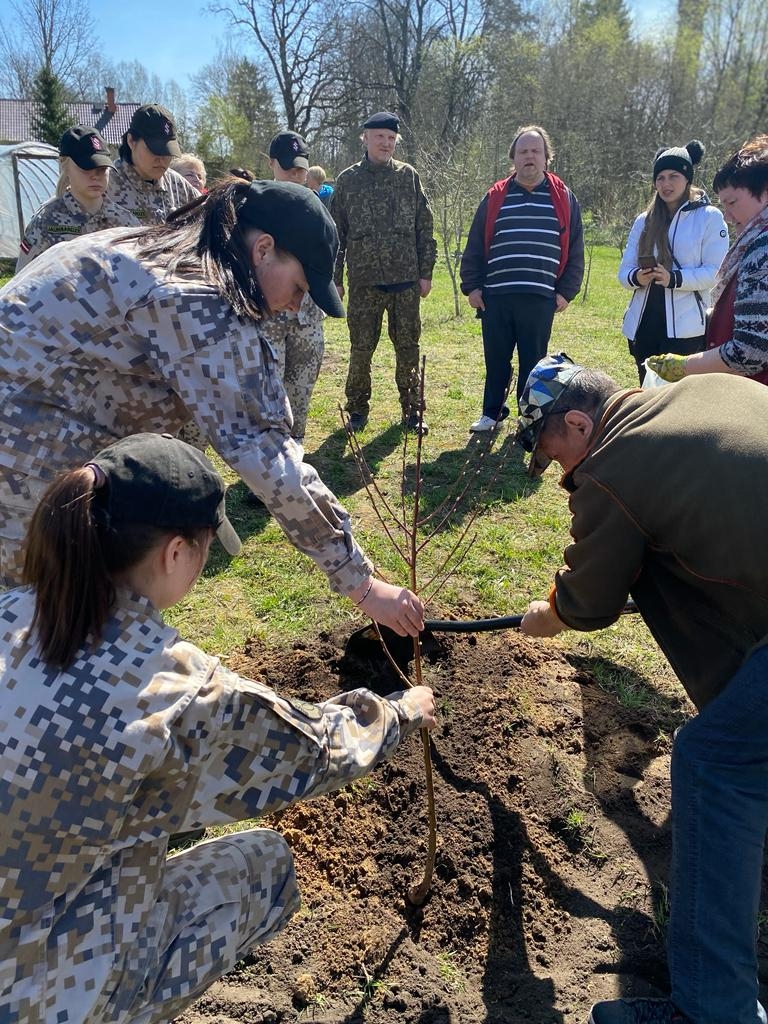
(150, 201)
(96, 344)
(143, 736)
(64, 218)
(385, 224)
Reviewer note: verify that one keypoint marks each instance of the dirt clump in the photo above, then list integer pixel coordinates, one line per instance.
(553, 852)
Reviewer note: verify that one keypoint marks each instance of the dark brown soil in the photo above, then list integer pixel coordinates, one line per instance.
(553, 851)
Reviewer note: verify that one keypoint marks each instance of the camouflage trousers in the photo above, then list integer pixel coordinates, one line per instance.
(365, 312)
(223, 897)
(299, 349)
(19, 497)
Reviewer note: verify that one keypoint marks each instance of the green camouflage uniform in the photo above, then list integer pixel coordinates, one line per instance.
(386, 238)
(144, 735)
(63, 218)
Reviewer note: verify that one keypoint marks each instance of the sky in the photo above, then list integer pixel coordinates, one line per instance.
(173, 38)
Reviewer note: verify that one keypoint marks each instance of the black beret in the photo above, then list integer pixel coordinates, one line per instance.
(384, 119)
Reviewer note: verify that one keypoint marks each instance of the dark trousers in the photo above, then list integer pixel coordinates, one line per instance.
(510, 321)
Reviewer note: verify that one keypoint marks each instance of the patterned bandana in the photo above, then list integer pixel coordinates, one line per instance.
(546, 383)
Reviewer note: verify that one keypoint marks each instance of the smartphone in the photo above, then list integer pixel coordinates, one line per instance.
(646, 262)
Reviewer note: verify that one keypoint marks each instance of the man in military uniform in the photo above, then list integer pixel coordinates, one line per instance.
(80, 206)
(143, 181)
(386, 238)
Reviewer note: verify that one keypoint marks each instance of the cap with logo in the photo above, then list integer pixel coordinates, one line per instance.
(546, 384)
(155, 125)
(301, 225)
(383, 119)
(86, 147)
(162, 481)
(290, 150)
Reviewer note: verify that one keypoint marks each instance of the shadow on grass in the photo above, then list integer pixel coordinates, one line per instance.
(336, 465)
(480, 473)
(248, 519)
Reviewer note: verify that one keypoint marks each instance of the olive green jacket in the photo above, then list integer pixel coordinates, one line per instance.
(385, 225)
(669, 506)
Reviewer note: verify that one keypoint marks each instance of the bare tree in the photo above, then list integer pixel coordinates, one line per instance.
(299, 39)
(54, 34)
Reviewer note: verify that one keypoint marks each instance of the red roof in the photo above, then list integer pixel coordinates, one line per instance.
(16, 119)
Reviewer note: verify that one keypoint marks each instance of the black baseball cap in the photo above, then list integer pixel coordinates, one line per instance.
(162, 481)
(290, 150)
(86, 147)
(301, 225)
(156, 126)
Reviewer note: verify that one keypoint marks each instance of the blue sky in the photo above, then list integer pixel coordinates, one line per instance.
(171, 38)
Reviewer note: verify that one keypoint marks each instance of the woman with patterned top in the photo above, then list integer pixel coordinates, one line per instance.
(80, 205)
(115, 732)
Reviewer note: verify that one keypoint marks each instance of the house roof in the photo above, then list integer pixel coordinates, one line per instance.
(16, 119)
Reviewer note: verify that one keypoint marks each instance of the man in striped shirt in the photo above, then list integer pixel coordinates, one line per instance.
(524, 262)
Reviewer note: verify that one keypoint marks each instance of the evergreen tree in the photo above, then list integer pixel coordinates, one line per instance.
(50, 119)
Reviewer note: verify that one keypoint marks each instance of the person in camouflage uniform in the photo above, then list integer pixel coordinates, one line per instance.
(115, 733)
(387, 242)
(148, 333)
(296, 337)
(142, 180)
(79, 206)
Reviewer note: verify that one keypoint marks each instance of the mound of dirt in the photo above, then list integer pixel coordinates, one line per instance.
(553, 850)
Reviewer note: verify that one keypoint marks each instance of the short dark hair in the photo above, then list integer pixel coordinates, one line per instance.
(586, 392)
(746, 168)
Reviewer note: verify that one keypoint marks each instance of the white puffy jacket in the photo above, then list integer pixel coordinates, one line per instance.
(698, 240)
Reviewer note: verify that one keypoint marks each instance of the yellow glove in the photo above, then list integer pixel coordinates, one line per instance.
(670, 367)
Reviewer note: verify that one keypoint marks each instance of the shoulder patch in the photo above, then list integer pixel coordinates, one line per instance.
(310, 711)
(24, 246)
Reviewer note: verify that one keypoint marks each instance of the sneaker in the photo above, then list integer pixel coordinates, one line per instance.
(482, 425)
(411, 422)
(636, 1011)
(356, 422)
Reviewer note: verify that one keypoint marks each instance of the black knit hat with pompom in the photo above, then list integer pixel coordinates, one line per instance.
(678, 159)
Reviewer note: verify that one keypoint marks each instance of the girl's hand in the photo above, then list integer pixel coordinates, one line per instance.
(394, 607)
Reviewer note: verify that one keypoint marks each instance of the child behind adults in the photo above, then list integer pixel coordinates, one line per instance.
(114, 733)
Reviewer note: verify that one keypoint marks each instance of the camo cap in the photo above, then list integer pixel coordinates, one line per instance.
(546, 383)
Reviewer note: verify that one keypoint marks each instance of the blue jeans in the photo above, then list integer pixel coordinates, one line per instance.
(720, 818)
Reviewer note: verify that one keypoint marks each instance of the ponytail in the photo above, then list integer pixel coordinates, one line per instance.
(65, 565)
(206, 233)
(73, 555)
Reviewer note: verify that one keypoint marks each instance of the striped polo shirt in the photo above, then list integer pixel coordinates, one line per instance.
(525, 248)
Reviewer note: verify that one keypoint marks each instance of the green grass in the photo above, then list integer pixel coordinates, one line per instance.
(520, 526)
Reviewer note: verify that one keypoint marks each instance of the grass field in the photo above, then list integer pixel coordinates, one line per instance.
(520, 527)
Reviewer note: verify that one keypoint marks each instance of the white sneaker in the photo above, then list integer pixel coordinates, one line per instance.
(483, 424)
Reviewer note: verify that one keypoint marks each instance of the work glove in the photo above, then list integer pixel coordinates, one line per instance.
(669, 367)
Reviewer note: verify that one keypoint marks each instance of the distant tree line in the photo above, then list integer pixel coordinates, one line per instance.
(462, 75)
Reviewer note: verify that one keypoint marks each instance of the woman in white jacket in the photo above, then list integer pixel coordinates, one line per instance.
(672, 254)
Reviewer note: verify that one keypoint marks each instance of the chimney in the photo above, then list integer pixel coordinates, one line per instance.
(111, 105)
